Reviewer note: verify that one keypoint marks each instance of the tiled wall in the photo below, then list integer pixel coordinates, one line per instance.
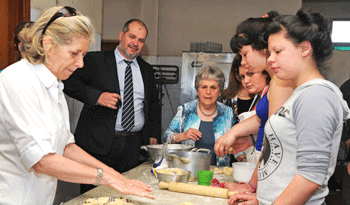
(171, 97)
(67, 191)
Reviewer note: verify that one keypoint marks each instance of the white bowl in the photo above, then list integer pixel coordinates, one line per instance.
(243, 171)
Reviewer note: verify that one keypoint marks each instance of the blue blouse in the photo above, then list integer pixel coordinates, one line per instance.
(187, 117)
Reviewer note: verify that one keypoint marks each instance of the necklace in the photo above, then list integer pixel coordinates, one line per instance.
(242, 95)
(199, 105)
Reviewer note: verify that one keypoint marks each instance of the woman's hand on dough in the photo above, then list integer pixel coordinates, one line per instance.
(243, 199)
(120, 183)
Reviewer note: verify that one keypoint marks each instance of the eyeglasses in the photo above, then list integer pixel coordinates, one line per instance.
(63, 12)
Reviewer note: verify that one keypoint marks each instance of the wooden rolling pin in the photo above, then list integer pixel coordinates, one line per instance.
(197, 189)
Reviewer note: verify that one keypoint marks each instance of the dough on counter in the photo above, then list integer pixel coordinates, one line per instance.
(105, 201)
(90, 201)
(187, 203)
(217, 171)
(228, 171)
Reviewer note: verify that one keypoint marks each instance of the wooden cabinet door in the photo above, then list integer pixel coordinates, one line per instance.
(12, 12)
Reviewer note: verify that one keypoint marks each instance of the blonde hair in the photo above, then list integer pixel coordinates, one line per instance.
(62, 31)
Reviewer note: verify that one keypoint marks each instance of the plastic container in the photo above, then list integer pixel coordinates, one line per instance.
(204, 177)
(243, 171)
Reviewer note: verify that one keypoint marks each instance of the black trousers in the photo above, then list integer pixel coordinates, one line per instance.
(123, 156)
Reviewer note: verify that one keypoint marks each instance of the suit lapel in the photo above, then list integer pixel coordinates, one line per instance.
(144, 76)
(112, 67)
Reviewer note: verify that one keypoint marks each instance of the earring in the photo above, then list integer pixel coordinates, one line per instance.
(306, 52)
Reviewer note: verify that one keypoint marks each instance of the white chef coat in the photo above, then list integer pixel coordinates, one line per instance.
(34, 122)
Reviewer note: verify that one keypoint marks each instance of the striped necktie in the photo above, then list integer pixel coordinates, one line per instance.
(128, 118)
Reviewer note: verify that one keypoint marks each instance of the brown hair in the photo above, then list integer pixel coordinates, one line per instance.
(234, 84)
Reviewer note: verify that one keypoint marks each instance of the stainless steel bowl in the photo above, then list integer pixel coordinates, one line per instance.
(174, 177)
(154, 150)
(193, 160)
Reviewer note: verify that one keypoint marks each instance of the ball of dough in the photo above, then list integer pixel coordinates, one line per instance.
(228, 171)
(217, 171)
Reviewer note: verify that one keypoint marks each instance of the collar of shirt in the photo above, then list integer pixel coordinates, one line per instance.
(119, 58)
(46, 77)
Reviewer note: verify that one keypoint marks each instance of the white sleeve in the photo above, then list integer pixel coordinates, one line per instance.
(23, 118)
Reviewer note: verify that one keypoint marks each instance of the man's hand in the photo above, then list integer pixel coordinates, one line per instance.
(109, 100)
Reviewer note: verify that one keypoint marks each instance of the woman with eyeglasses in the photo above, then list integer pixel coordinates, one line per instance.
(36, 145)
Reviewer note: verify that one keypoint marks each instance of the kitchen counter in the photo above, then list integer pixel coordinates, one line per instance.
(164, 196)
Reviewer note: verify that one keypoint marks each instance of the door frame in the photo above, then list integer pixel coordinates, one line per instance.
(12, 12)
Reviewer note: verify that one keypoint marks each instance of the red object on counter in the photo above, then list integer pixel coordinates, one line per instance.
(215, 183)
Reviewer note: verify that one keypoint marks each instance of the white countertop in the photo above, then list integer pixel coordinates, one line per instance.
(164, 197)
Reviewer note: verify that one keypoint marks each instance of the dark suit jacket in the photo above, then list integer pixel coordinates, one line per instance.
(96, 126)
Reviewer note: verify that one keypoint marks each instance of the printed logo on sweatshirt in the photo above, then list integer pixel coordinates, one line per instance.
(271, 156)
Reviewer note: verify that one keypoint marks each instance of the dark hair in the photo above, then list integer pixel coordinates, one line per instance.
(305, 26)
(19, 28)
(126, 25)
(250, 32)
(234, 84)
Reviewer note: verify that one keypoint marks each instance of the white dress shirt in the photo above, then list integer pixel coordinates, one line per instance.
(139, 92)
(34, 122)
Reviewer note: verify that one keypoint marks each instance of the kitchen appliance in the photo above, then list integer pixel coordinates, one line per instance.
(193, 62)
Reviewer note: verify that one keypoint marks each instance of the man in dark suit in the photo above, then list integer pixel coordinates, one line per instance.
(102, 129)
